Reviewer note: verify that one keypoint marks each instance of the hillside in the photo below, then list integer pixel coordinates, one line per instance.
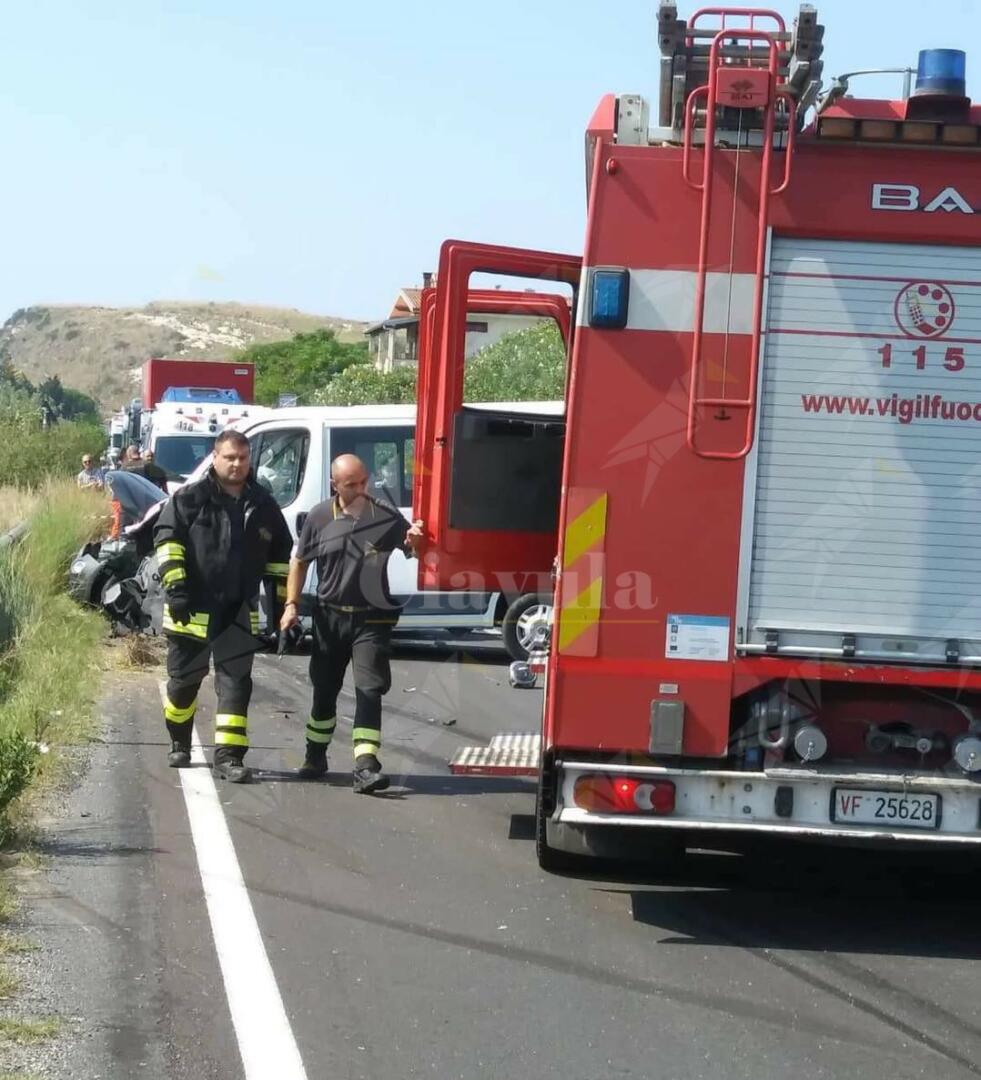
(100, 350)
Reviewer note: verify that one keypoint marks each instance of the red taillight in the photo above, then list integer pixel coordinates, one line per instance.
(623, 794)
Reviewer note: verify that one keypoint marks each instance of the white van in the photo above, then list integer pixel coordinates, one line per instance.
(291, 454)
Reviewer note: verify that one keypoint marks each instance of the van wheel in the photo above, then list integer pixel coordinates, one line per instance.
(522, 621)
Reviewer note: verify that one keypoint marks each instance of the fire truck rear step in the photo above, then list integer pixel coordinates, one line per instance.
(513, 754)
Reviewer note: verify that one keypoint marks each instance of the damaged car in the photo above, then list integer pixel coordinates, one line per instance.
(118, 573)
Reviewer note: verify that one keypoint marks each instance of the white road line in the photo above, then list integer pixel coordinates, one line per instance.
(265, 1039)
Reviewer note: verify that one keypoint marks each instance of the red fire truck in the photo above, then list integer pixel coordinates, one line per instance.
(766, 508)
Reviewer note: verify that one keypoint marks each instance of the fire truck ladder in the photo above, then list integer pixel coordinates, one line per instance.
(738, 79)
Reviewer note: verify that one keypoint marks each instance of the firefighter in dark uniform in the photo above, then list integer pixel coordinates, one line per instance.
(351, 537)
(216, 540)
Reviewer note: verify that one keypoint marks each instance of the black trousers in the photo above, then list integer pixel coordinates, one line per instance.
(231, 643)
(362, 639)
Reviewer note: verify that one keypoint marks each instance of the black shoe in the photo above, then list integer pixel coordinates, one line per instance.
(230, 767)
(179, 756)
(368, 775)
(314, 766)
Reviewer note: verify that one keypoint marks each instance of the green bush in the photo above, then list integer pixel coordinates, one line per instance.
(363, 384)
(526, 365)
(29, 454)
(300, 365)
(18, 764)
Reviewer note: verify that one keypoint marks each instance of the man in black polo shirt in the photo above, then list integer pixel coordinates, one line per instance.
(351, 536)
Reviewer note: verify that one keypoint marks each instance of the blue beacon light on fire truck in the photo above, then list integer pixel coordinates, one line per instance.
(609, 290)
(941, 73)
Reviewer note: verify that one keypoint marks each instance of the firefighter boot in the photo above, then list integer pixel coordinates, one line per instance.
(230, 766)
(368, 775)
(315, 763)
(180, 744)
(180, 755)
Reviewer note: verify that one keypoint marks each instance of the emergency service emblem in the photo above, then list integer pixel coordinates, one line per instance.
(924, 309)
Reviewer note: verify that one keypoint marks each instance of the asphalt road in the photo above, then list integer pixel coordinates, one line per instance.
(413, 935)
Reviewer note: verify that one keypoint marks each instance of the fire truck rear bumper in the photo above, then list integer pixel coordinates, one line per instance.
(787, 802)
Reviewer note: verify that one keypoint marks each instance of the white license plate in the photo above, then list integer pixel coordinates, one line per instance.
(857, 806)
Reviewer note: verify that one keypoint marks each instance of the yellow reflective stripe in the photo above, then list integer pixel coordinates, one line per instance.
(321, 731)
(170, 551)
(280, 591)
(224, 719)
(199, 618)
(231, 730)
(193, 628)
(579, 615)
(178, 573)
(177, 715)
(360, 749)
(584, 531)
(254, 621)
(228, 738)
(277, 569)
(366, 734)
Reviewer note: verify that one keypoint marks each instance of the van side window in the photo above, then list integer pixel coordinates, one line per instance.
(279, 459)
(387, 453)
(408, 467)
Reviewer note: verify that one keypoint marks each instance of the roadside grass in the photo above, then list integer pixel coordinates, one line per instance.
(29, 1031)
(8, 901)
(49, 665)
(48, 644)
(9, 984)
(141, 652)
(14, 944)
(16, 505)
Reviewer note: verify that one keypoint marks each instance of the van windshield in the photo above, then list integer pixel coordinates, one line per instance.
(179, 455)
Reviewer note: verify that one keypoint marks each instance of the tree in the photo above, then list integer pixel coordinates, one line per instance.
(526, 365)
(362, 384)
(67, 404)
(301, 366)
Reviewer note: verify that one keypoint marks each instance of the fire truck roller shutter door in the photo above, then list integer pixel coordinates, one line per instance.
(862, 501)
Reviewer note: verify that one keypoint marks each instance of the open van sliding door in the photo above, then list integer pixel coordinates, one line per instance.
(487, 481)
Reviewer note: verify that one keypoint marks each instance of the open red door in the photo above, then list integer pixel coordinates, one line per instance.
(487, 480)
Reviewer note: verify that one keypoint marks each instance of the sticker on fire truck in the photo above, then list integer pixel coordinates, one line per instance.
(697, 637)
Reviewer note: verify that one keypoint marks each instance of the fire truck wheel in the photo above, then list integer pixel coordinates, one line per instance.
(525, 618)
(550, 859)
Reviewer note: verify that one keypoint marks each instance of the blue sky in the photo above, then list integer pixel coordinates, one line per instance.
(314, 155)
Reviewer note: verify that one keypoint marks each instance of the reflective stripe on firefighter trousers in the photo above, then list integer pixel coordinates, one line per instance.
(231, 730)
(366, 741)
(321, 731)
(179, 716)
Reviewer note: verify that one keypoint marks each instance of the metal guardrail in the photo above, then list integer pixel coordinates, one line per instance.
(14, 535)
